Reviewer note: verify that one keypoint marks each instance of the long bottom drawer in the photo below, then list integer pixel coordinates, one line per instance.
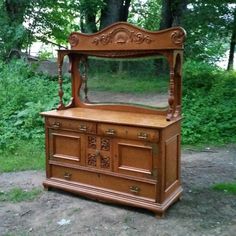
(145, 190)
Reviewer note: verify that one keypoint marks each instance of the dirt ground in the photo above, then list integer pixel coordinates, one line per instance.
(202, 211)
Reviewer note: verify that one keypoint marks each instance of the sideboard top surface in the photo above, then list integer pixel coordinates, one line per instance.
(114, 117)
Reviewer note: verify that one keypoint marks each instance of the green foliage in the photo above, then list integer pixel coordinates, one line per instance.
(208, 25)
(145, 14)
(226, 187)
(19, 195)
(23, 95)
(209, 110)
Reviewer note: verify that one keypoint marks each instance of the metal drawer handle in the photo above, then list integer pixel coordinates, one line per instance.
(134, 189)
(110, 132)
(142, 135)
(67, 176)
(83, 128)
(56, 125)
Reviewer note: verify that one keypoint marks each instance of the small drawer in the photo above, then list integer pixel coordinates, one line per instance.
(108, 182)
(136, 133)
(75, 125)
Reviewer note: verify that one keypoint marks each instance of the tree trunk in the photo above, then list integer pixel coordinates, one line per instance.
(232, 45)
(166, 15)
(178, 10)
(90, 21)
(111, 12)
(124, 12)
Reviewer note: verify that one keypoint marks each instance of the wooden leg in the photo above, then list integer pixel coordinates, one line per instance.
(46, 188)
(160, 215)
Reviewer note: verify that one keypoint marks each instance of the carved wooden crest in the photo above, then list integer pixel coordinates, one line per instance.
(124, 36)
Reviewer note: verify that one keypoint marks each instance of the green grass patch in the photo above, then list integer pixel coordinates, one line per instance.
(226, 187)
(19, 195)
(26, 155)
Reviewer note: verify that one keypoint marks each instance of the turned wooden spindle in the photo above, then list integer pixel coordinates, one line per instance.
(171, 97)
(60, 91)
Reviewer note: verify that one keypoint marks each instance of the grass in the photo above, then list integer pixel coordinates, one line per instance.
(19, 195)
(226, 187)
(128, 83)
(25, 156)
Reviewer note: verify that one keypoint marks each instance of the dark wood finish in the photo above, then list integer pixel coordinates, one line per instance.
(117, 153)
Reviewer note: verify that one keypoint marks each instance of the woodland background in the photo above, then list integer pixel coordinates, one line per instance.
(209, 101)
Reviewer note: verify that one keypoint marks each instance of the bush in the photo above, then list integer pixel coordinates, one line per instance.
(209, 111)
(23, 95)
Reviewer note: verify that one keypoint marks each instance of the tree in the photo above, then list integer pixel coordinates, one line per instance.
(232, 43)
(113, 11)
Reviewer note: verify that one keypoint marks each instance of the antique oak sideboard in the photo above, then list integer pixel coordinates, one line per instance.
(120, 153)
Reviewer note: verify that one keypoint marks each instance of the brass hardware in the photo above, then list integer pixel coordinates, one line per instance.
(67, 176)
(134, 189)
(56, 125)
(83, 128)
(142, 135)
(110, 132)
(97, 153)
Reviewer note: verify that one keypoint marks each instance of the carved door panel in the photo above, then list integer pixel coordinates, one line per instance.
(98, 152)
(65, 146)
(136, 158)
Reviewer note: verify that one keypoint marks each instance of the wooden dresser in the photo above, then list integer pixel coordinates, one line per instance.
(117, 153)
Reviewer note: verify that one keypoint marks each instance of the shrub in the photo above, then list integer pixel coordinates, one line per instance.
(209, 111)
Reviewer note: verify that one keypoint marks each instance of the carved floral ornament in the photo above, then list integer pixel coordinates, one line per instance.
(73, 39)
(122, 36)
(178, 36)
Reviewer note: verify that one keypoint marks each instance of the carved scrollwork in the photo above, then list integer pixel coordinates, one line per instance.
(178, 37)
(105, 162)
(92, 159)
(122, 36)
(105, 144)
(92, 141)
(74, 40)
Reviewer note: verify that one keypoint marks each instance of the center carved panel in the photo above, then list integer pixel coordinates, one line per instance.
(92, 142)
(92, 159)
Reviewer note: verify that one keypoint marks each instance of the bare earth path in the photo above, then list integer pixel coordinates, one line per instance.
(202, 211)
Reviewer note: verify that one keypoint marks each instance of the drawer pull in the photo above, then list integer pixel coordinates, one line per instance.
(67, 176)
(134, 189)
(56, 125)
(110, 132)
(142, 135)
(83, 128)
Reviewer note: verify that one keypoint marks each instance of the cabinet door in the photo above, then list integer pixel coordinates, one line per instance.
(137, 158)
(98, 152)
(66, 146)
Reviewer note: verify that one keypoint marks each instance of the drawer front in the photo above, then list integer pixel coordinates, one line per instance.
(136, 133)
(75, 125)
(132, 187)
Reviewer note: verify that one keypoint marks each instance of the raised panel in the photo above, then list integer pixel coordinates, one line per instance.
(171, 161)
(65, 147)
(134, 158)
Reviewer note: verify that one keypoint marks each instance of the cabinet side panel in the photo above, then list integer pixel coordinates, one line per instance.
(171, 162)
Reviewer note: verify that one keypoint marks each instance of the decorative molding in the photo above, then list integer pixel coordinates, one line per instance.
(122, 36)
(92, 159)
(92, 142)
(105, 162)
(177, 37)
(74, 39)
(105, 144)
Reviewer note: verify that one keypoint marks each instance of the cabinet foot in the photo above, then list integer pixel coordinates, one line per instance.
(46, 188)
(160, 215)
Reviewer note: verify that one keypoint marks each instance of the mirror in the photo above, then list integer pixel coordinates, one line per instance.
(139, 81)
